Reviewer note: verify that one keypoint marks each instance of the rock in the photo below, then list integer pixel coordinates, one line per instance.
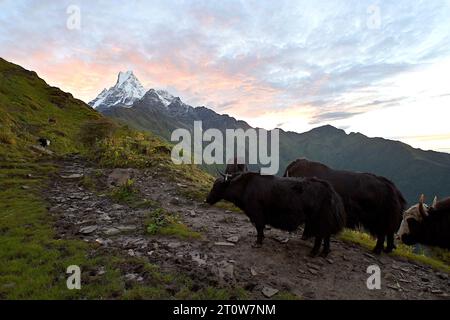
(119, 177)
(174, 245)
(313, 266)
(41, 149)
(111, 231)
(425, 279)
(269, 292)
(133, 277)
(313, 272)
(88, 230)
(282, 240)
(233, 239)
(192, 213)
(101, 271)
(393, 287)
(105, 217)
(73, 176)
(197, 258)
(330, 261)
(131, 252)
(225, 271)
(437, 292)
(25, 187)
(253, 272)
(443, 276)
(127, 228)
(224, 244)
(117, 207)
(369, 255)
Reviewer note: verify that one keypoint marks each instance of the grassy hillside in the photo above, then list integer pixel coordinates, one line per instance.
(30, 109)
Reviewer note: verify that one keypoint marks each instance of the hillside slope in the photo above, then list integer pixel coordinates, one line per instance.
(30, 109)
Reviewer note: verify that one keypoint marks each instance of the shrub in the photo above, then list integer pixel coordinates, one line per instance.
(6, 137)
(97, 130)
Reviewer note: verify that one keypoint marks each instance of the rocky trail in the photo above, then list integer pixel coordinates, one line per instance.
(224, 256)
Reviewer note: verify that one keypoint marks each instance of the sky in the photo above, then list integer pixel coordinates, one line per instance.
(381, 68)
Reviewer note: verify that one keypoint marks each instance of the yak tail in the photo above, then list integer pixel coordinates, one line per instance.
(339, 214)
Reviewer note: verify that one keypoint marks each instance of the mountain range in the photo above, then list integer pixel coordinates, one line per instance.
(413, 170)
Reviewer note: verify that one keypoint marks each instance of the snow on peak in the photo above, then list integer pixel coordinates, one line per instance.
(124, 76)
(165, 97)
(127, 90)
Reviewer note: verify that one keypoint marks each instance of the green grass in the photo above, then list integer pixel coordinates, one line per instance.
(439, 259)
(161, 222)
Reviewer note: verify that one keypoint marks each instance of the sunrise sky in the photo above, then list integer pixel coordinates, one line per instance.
(381, 68)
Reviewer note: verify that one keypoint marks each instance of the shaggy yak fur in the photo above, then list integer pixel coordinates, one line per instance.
(284, 203)
(369, 200)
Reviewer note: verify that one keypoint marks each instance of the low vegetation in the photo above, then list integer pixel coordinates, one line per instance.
(437, 258)
(162, 222)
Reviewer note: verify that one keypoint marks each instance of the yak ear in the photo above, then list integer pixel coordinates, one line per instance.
(434, 202)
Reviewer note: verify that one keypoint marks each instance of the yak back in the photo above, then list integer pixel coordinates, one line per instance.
(369, 200)
(283, 203)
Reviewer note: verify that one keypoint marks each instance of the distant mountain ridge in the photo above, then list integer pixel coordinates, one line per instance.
(414, 171)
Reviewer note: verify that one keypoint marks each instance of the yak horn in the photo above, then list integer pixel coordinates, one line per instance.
(421, 206)
(287, 174)
(434, 202)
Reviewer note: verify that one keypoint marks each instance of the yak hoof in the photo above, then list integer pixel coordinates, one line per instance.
(325, 253)
(313, 253)
(390, 249)
(257, 245)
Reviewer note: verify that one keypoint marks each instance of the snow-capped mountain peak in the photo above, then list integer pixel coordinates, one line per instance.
(126, 91)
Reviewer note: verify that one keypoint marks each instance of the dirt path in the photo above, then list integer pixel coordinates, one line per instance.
(224, 256)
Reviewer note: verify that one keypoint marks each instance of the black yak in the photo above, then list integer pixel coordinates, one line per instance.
(236, 167)
(369, 200)
(44, 142)
(428, 226)
(284, 203)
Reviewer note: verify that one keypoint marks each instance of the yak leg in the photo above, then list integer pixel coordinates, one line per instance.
(390, 243)
(326, 247)
(380, 244)
(315, 250)
(306, 233)
(260, 236)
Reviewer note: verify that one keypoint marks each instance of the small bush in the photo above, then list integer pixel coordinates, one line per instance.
(97, 130)
(6, 137)
(126, 193)
(165, 223)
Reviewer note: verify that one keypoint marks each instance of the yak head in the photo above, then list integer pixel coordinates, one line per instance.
(412, 220)
(221, 186)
